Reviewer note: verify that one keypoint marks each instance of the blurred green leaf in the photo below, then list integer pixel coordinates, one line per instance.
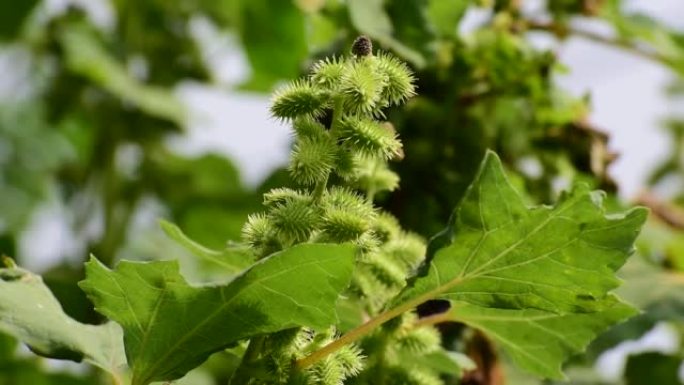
(412, 26)
(29, 312)
(646, 284)
(442, 361)
(661, 242)
(446, 14)
(657, 292)
(87, 57)
(32, 371)
(273, 34)
(31, 152)
(12, 16)
(214, 223)
(7, 347)
(233, 259)
(182, 180)
(653, 368)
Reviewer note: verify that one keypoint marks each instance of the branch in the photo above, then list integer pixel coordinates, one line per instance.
(362, 330)
(352, 336)
(561, 31)
(669, 213)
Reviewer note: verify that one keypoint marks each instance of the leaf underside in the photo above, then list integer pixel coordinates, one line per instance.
(30, 313)
(501, 257)
(171, 327)
(231, 260)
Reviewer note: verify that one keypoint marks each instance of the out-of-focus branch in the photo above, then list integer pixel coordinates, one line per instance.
(563, 31)
(665, 211)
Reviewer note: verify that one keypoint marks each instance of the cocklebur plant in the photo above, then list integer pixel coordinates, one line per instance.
(334, 114)
(352, 148)
(332, 295)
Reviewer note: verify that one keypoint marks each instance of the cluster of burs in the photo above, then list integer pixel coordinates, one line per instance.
(340, 161)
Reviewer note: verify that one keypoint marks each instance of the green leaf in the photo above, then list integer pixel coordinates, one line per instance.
(12, 16)
(539, 341)
(413, 26)
(233, 259)
(501, 260)
(87, 57)
(648, 285)
(445, 15)
(171, 327)
(504, 254)
(30, 313)
(658, 292)
(273, 34)
(441, 361)
(653, 368)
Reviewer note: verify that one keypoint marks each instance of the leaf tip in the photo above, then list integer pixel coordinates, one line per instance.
(93, 261)
(639, 213)
(168, 227)
(491, 156)
(92, 266)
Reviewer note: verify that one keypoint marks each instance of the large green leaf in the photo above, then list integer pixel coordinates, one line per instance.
(539, 341)
(500, 260)
(171, 327)
(30, 313)
(504, 254)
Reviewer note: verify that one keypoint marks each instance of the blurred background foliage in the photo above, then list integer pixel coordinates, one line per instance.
(94, 105)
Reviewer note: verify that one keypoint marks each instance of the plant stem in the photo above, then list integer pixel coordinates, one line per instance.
(352, 336)
(321, 186)
(617, 43)
(669, 213)
(362, 330)
(241, 374)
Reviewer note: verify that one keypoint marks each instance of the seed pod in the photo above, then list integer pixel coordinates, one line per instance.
(362, 46)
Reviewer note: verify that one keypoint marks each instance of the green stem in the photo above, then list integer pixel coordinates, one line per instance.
(242, 373)
(352, 336)
(363, 330)
(321, 186)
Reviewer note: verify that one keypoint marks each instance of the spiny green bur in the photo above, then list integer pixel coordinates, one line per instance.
(536, 280)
